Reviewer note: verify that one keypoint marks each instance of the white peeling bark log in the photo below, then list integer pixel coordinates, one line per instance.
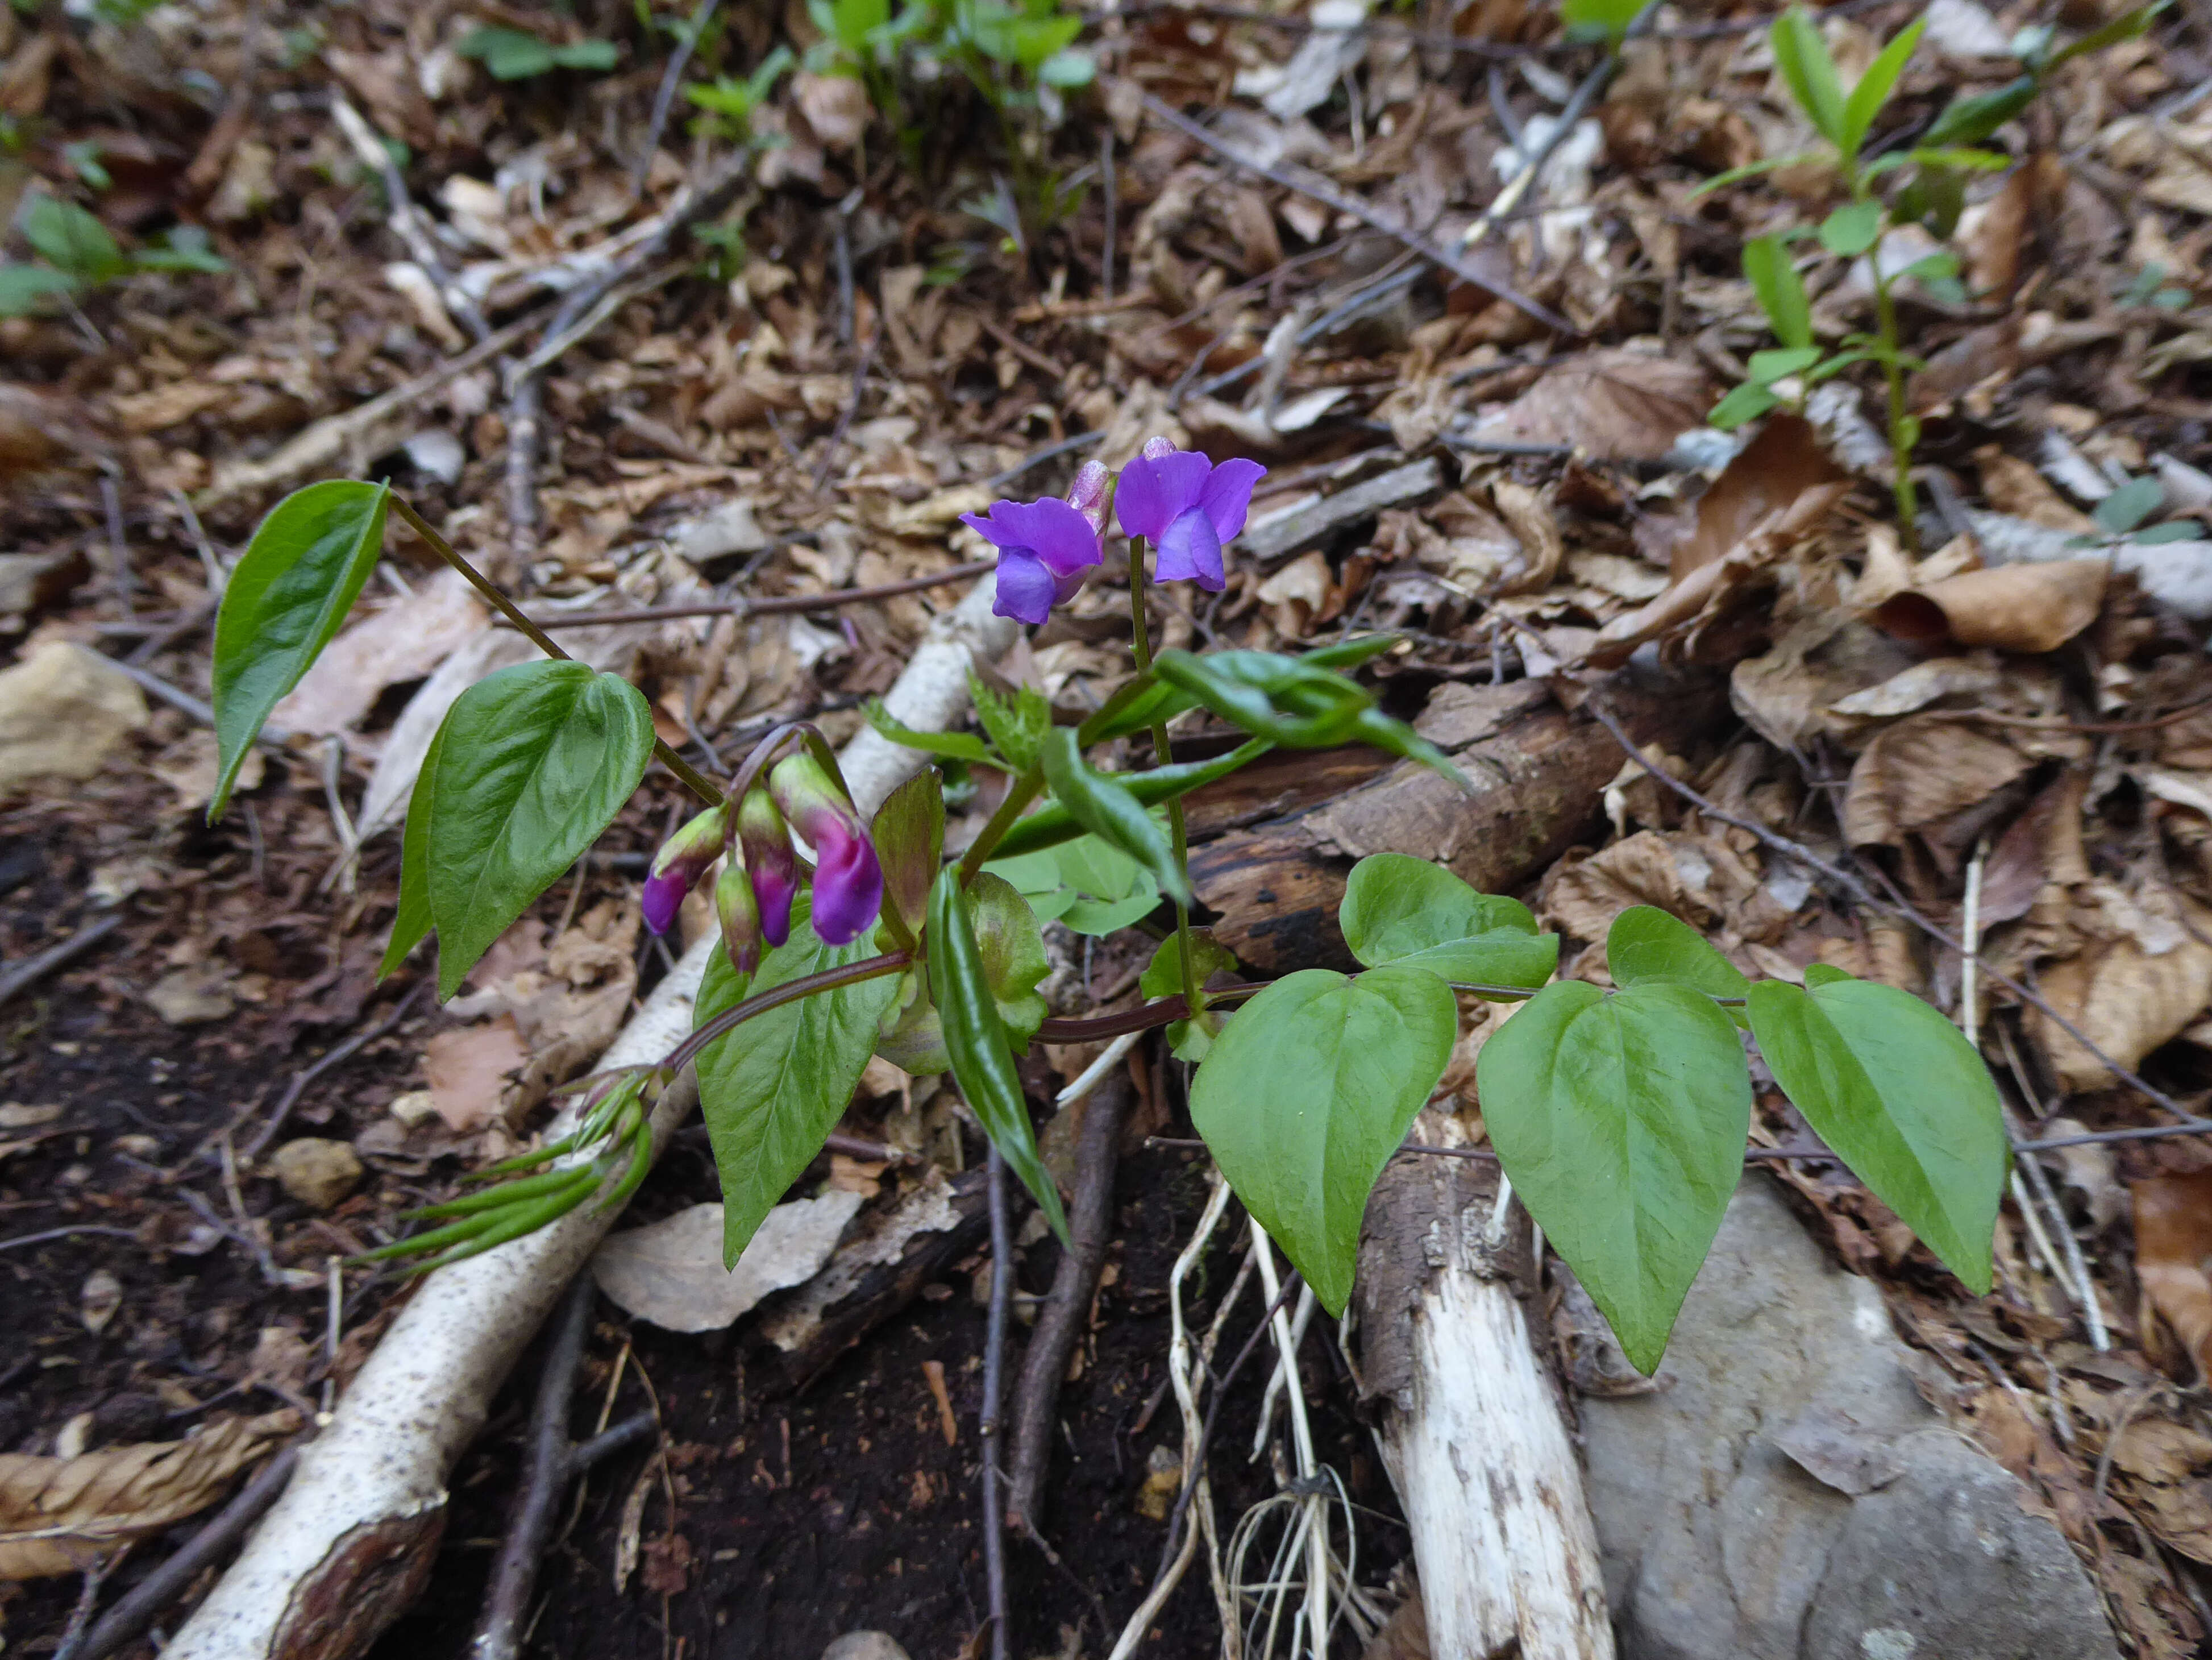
(1474, 1427)
(352, 1542)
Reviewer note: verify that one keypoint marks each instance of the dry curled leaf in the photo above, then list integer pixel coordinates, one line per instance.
(56, 1514)
(2024, 608)
(2126, 999)
(2173, 1255)
(1780, 464)
(1921, 771)
(671, 1271)
(1614, 405)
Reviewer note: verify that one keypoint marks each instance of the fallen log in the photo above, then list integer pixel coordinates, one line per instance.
(1473, 1425)
(1539, 774)
(350, 1544)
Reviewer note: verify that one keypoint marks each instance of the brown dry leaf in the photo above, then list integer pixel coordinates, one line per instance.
(405, 640)
(2173, 1255)
(835, 106)
(1611, 404)
(2024, 608)
(565, 1006)
(671, 1271)
(2014, 486)
(1404, 1635)
(1781, 464)
(1921, 771)
(56, 1514)
(468, 1068)
(1650, 867)
(2125, 999)
(1529, 515)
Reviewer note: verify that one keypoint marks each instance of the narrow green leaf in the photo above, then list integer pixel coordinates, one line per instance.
(1105, 806)
(534, 761)
(1648, 947)
(1851, 229)
(1875, 86)
(72, 239)
(908, 832)
(975, 1038)
(1781, 292)
(1765, 367)
(1749, 170)
(774, 1087)
(1404, 910)
(1307, 1093)
(1803, 57)
(1892, 1086)
(2128, 26)
(2181, 529)
(2129, 505)
(290, 594)
(412, 921)
(952, 745)
(1744, 402)
(1621, 1122)
(1052, 824)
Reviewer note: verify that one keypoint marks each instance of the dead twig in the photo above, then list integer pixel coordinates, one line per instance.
(1902, 910)
(778, 605)
(664, 96)
(515, 1572)
(144, 1601)
(994, 1347)
(1060, 1321)
(342, 1052)
(19, 976)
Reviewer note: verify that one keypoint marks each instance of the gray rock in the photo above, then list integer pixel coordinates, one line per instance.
(1788, 1495)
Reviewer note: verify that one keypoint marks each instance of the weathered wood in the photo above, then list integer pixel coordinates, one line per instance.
(1539, 774)
(1473, 1426)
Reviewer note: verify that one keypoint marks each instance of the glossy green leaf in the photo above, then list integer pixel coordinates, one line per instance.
(774, 1086)
(1620, 1120)
(1189, 1039)
(1875, 86)
(534, 761)
(1104, 805)
(1970, 120)
(1648, 947)
(1010, 945)
(1890, 1084)
(412, 921)
(1307, 1093)
(1781, 291)
(908, 832)
(288, 595)
(1052, 824)
(1852, 228)
(952, 745)
(1803, 57)
(977, 1040)
(1400, 909)
(1085, 884)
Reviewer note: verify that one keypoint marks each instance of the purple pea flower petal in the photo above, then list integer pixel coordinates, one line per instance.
(1190, 552)
(682, 859)
(1157, 490)
(1044, 547)
(848, 887)
(1226, 496)
(662, 898)
(1026, 588)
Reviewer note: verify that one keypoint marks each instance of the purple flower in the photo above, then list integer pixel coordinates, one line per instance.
(682, 861)
(848, 883)
(1186, 506)
(764, 847)
(1044, 547)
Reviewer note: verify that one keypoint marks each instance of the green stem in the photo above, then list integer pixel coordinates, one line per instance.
(1900, 446)
(1140, 647)
(1019, 794)
(694, 781)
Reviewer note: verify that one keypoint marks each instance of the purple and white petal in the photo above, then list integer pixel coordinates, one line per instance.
(989, 526)
(849, 888)
(1026, 588)
(1056, 533)
(1227, 495)
(1155, 491)
(1190, 553)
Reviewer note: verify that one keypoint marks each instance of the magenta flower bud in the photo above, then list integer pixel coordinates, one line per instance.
(682, 859)
(764, 848)
(848, 883)
(740, 917)
(1186, 506)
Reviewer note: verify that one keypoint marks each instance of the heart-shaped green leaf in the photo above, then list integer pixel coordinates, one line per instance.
(290, 594)
(774, 1088)
(533, 762)
(1307, 1093)
(1902, 1098)
(1649, 946)
(1621, 1122)
(1405, 910)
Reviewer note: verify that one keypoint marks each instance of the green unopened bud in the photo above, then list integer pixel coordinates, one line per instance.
(740, 917)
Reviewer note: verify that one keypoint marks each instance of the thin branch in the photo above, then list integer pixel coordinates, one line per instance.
(1902, 910)
(42, 1237)
(664, 96)
(995, 1351)
(343, 1052)
(778, 605)
(21, 976)
(607, 1443)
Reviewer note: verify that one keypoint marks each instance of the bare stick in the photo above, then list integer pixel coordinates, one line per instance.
(994, 1345)
(514, 1574)
(607, 1443)
(21, 976)
(777, 606)
(1901, 910)
(1061, 1320)
(143, 1602)
(1106, 188)
(343, 1052)
(672, 77)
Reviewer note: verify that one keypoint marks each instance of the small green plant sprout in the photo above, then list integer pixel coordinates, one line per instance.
(1609, 21)
(1975, 119)
(514, 55)
(2149, 287)
(77, 253)
(2122, 516)
(727, 104)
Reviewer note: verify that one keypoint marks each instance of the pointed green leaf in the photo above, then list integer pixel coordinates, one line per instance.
(1649, 947)
(1307, 1095)
(412, 921)
(1744, 402)
(1765, 367)
(1105, 805)
(534, 761)
(1875, 86)
(1400, 909)
(1851, 229)
(1803, 57)
(1621, 1122)
(2129, 505)
(952, 745)
(290, 594)
(774, 1088)
(1892, 1086)
(908, 832)
(976, 1041)
(1781, 292)
(1192, 1039)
